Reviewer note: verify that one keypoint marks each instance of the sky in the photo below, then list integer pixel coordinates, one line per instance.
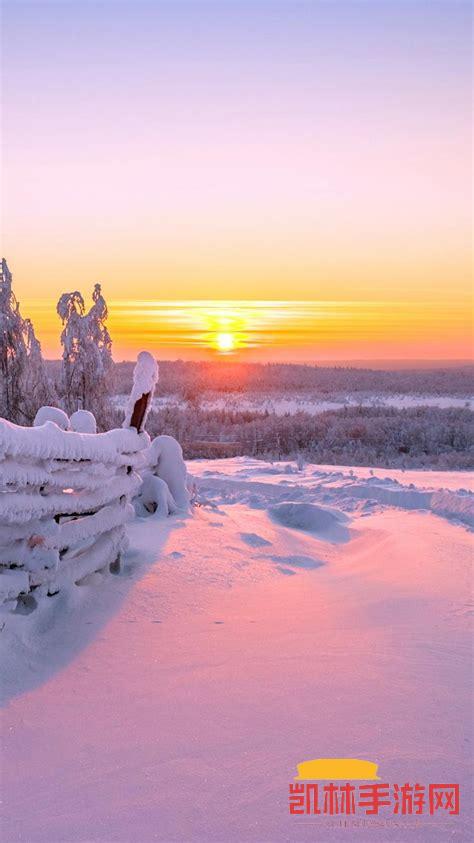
(265, 179)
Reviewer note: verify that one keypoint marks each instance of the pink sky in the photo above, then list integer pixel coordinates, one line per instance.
(197, 151)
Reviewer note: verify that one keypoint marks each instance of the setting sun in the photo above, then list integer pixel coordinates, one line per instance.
(225, 342)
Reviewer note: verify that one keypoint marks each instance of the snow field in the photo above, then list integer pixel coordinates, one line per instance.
(237, 641)
(448, 494)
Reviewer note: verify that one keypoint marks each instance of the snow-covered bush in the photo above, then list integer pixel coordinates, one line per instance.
(87, 355)
(24, 384)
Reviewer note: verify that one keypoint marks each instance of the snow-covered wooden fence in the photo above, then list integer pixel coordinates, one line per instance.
(65, 498)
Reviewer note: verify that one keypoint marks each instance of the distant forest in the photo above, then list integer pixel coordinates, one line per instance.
(419, 437)
(190, 380)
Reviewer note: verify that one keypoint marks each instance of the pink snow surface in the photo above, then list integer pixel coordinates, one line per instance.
(174, 701)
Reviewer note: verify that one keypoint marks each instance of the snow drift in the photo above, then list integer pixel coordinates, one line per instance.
(328, 524)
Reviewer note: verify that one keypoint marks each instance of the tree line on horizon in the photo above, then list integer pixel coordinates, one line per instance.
(190, 380)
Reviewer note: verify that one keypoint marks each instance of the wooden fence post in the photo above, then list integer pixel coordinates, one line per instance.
(139, 411)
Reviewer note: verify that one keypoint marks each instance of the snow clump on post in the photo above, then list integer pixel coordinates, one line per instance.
(145, 377)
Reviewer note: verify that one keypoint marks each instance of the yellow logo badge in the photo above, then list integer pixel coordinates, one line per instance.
(337, 769)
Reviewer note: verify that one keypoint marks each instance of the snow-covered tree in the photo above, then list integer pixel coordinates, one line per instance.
(24, 384)
(87, 357)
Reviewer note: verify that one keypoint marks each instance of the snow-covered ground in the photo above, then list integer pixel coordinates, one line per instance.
(293, 615)
(299, 402)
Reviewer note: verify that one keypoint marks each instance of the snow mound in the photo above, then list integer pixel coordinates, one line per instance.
(390, 493)
(298, 561)
(165, 459)
(82, 421)
(325, 523)
(455, 506)
(155, 496)
(51, 414)
(458, 507)
(253, 540)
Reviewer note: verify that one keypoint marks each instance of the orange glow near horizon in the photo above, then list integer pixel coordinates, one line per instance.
(301, 331)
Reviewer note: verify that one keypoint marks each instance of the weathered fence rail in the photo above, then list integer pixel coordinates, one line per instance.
(64, 501)
(65, 498)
